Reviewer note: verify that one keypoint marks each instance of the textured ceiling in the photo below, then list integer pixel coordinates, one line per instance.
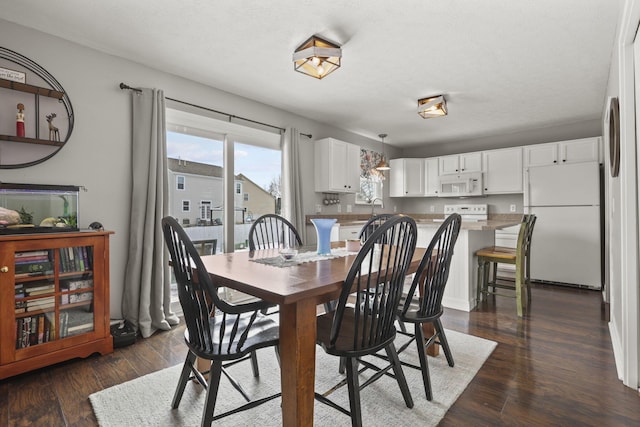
(504, 66)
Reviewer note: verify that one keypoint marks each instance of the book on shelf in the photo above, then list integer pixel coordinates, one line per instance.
(32, 259)
(85, 256)
(29, 290)
(40, 303)
(80, 297)
(31, 254)
(34, 330)
(44, 267)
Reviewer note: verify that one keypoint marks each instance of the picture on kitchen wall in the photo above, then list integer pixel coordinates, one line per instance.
(370, 178)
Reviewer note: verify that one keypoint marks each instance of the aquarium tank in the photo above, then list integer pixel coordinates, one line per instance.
(38, 208)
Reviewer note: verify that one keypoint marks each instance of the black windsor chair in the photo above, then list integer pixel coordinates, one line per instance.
(424, 305)
(363, 321)
(216, 330)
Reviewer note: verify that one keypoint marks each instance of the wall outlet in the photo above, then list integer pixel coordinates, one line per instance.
(395, 209)
(349, 209)
(318, 208)
(512, 208)
(432, 208)
(339, 208)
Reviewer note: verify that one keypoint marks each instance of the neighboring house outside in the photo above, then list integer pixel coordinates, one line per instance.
(255, 199)
(195, 193)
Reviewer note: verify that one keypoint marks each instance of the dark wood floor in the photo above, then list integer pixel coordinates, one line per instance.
(554, 367)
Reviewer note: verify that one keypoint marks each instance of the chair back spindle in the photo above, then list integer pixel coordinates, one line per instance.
(375, 281)
(270, 231)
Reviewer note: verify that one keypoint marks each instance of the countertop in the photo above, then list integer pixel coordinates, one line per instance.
(495, 222)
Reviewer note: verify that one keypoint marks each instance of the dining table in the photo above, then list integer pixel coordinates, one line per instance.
(298, 289)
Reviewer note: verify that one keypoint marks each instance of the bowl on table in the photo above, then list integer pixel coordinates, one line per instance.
(288, 254)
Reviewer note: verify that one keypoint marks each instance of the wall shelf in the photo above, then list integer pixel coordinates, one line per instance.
(36, 90)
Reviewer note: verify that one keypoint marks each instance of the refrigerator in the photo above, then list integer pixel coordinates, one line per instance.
(566, 241)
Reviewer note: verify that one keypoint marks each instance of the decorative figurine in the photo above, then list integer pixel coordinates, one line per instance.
(54, 135)
(20, 120)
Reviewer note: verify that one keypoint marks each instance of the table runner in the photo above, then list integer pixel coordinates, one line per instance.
(303, 257)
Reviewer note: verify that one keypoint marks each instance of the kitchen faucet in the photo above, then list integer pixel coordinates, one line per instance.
(373, 205)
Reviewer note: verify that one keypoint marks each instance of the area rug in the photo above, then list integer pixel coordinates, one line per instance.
(146, 401)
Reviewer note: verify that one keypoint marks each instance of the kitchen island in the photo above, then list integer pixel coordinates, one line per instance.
(460, 293)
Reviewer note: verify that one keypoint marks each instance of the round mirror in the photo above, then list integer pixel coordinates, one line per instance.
(614, 136)
(42, 110)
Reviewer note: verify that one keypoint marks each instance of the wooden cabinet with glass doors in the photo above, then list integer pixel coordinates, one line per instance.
(54, 299)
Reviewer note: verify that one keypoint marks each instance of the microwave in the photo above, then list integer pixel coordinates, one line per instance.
(460, 185)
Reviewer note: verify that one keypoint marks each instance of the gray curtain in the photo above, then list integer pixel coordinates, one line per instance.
(147, 296)
(293, 208)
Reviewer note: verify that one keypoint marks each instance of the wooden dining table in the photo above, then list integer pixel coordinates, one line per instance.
(298, 290)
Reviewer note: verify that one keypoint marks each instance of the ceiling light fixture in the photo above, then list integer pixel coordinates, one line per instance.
(434, 106)
(382, 165)
(317, 57)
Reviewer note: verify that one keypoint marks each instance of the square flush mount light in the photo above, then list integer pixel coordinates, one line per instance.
(434, 106)
(317, 57)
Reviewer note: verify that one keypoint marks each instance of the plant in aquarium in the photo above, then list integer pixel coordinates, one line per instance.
(25, 217)
(70, 220)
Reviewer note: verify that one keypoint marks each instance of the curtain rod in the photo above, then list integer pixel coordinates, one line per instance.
(124, 86)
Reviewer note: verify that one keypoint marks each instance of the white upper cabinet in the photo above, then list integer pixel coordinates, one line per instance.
(502, 171)
(406, 178)
(573, 151)
(337, 166)
(466, 162)
(431, 180)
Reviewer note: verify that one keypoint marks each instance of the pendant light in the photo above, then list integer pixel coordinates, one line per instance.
(383, 165)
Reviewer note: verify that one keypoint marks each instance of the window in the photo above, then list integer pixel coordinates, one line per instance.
(186, 206)
(180, 182)
(245, 197)
(238, 188)
(205, 209)
(370, 178)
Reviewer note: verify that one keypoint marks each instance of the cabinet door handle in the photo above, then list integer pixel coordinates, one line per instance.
(555, 161)
(4, 269)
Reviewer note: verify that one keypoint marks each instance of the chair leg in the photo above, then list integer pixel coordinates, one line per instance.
(354, 392)
(481, 279)
(519, 284)
(528, 280)
(442, 338)
(392, 354)
(494, 265)
(424, 363)
(254, 364)
(212, 393)
(342, 365)
(184, 378)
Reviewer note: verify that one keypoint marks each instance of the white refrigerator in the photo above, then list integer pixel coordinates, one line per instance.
(565, 246)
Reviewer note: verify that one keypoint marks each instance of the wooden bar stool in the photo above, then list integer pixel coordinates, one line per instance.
(518, 256)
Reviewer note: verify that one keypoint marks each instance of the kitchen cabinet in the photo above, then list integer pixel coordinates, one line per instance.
(573, 151)
(406, 178)
(337, 166)
(349, 232)
(431, 180)
(54, 299)
(503, 171)
(465, 162)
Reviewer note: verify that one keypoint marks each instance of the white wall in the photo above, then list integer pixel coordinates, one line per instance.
(98, 154)
(622, 206)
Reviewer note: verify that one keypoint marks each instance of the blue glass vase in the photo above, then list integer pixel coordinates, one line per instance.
(323, 234)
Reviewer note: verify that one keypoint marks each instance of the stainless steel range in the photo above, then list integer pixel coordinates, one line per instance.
(469, 213)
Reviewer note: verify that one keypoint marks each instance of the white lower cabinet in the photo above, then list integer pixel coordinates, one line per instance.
(349, 232)
(460, 292)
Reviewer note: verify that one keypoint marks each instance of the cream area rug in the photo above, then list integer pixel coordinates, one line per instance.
(146, 401)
